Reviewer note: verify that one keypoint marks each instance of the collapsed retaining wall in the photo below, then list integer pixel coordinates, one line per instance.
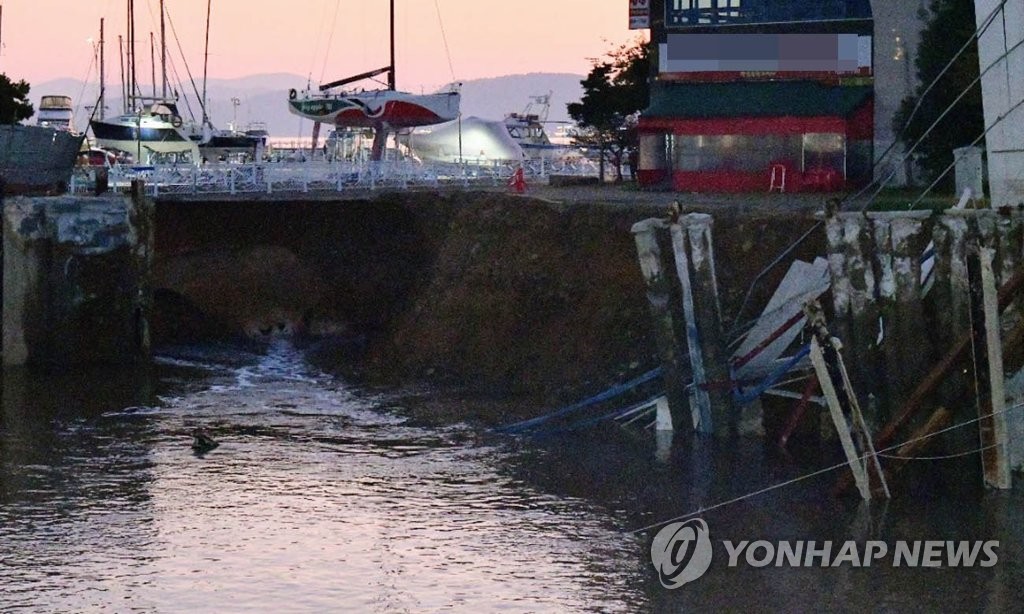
(509, 295)
(902, 298)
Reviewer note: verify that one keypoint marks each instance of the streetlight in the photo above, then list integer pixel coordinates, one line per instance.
(234, 116)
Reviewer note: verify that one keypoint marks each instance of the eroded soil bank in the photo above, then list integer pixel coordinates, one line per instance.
(536, 299)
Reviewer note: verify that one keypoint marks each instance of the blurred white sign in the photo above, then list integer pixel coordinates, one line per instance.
(639, 14)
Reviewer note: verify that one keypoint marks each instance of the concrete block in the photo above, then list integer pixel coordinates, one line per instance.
(76, 280)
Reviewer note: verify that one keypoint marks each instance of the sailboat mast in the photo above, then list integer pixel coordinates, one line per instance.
(152, 62)
(103, 75)
(131, 49)
(391, 73)
(124, 88)
(206, 59)
(163, 51)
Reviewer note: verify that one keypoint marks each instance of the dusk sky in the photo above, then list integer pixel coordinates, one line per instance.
(49, 39)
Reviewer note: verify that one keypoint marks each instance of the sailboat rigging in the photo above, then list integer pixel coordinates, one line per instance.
(383, 110)
(151, 129)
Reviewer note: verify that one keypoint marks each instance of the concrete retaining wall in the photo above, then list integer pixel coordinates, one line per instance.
(76, 280)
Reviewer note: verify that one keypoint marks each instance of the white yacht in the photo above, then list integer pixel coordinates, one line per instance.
(153, 133)
(528, 129)
(56, 112)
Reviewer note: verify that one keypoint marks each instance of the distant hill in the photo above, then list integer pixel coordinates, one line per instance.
(262, 98)
(495, 98)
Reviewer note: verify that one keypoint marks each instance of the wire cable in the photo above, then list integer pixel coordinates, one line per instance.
(188, 71)
(941, 457)
(821, 472)
(882, 183)
(444, 38)
(952, 164)
(943, 115)
(330, 40)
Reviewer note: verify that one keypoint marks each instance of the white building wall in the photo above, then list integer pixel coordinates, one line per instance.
(1002, 89)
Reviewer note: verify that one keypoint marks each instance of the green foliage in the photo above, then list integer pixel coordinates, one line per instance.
(14, 104)
(613, 93)
(951, 26)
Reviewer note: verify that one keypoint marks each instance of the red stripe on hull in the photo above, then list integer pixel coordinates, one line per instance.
(396, 114)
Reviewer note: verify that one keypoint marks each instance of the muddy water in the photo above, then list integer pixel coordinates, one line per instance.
(324, 497)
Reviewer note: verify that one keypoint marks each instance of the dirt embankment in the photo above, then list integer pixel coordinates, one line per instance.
(522, 298)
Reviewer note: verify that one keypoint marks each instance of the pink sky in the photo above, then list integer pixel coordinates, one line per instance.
(49, 39)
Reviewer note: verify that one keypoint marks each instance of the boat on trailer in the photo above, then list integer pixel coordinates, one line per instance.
(152, 133)
(383, 110)
(369, 109)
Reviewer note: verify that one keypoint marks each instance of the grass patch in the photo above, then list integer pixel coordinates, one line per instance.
(901, 199)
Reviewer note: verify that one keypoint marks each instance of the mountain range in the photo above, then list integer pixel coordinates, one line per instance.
(263, 98)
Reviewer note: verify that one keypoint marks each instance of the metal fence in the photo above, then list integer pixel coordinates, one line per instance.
(320, 176)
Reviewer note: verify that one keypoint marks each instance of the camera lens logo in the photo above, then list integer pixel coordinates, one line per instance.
(681, 552)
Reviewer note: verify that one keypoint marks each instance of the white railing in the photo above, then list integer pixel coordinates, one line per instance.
(321, 176)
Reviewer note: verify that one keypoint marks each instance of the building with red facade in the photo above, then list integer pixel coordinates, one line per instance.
(753, 95)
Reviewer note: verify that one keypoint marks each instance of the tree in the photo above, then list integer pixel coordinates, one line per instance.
(613, 93)
(952, 24)
(14, 104)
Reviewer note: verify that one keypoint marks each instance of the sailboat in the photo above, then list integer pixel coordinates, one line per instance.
(150, 128)
(384, 110)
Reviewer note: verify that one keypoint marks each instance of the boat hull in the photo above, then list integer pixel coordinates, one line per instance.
(142, 137)
(36, 160)
(377, 108)
(471, 138)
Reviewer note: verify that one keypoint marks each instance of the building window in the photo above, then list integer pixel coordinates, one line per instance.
(824, 151)
(654, 153)
(736, 153)
(697, 12)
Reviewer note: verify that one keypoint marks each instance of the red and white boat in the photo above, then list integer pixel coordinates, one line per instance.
(384, 110)
(369, 109)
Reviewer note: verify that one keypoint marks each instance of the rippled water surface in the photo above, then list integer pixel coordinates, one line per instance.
(318, 498)
(323, 497)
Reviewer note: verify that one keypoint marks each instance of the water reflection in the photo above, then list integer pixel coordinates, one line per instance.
(324, 497)
(319, 497)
